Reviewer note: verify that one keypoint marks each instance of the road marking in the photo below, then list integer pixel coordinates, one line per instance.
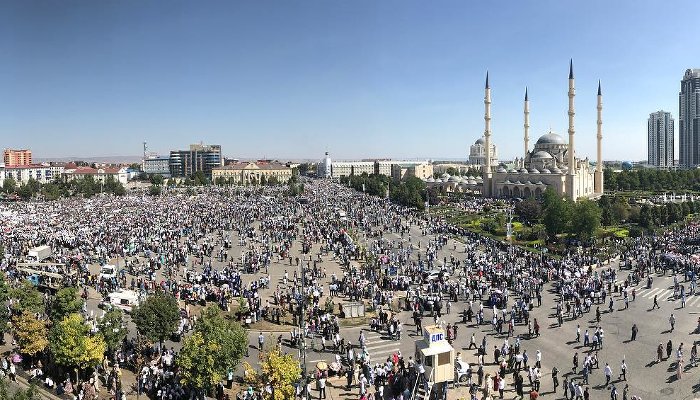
(651, 293)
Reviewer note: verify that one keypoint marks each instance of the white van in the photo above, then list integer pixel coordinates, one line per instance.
(123, 299)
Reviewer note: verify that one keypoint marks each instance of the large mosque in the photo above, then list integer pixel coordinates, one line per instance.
(552, 163)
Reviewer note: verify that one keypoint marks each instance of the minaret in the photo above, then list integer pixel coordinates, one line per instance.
(598, 176)
(527, 123)
(487, 138)
(571, 159)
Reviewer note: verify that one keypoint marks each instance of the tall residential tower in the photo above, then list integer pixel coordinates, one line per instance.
(689, 119)
(660, 139)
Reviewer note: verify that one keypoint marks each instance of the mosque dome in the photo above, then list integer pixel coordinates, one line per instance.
(431, 180)
(480, 141)
(550, 138)
(541, 155)
(454, 179)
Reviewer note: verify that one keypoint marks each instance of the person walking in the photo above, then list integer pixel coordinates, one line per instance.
(261, 340)
(575, 363)
(656, 302)
(634, 332)
(555, 378)
(608, 374)
(660, 352)
(322, 387)
(623, 371)
(578, 333)
(672, 321)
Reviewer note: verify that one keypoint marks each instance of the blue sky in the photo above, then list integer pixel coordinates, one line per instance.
(292, 79)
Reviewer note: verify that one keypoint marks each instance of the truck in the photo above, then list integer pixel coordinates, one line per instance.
(40, 253)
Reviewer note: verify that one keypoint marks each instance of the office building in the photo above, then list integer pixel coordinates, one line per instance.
(252, 173)
(199, 157)
(159, 165)
(12, 157)
(689, 119)
(660, 139)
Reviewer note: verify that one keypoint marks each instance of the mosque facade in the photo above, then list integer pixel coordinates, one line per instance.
(551, 163)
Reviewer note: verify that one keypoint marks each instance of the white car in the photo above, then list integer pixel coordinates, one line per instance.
(107, 272)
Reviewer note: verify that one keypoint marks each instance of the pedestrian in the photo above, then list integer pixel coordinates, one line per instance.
(623, 371)
(322, 387)
(555, 378)
(656, 302)
(669, 348)
(660, 352)
(575, 362)
(608, 374)
(613, 392)
(261, 340)
(672, 321)
(634, 332)
(578, 333)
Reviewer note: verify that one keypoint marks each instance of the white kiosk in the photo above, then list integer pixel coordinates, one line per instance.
(436, 355)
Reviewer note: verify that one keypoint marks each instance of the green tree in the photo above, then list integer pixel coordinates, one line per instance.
(216, 345)
(113, 329)
(585, 219)
(28, 299)
(51, 191)
(25, 192)
(9, 185)
(154, 190)
(157, 317)
(72, 345)
(555, 216)
(156, 179)
(529, 211)
(65, 302)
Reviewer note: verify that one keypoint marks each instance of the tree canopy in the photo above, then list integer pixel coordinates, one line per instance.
(157, 317)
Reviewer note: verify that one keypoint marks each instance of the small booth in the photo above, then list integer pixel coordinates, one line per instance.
(352, 310)
(436, 355)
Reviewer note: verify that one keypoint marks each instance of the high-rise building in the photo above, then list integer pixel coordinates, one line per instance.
(12, 157)
(660, 139)
(200, 157)
(689, 119)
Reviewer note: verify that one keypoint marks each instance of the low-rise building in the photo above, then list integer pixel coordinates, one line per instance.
(98, 174)
(42, 173)
(252, 173)
(159, 165)
(402, 171)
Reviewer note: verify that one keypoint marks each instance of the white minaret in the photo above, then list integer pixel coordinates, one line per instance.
(526, 125)
(598, 176)
(571, 159)
(487, 138)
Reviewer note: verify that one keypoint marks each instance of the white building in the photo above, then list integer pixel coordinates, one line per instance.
(349, 168)
(157, 165)
(323, 170)
(39, 172)
(660, 142)
(477, 153)
(98, 174)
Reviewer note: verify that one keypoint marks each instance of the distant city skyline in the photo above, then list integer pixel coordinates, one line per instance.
(392, 79)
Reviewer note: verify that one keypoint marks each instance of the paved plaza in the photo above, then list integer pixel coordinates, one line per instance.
(405, 242)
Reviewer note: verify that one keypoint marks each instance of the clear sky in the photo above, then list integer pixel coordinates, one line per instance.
(292, 79)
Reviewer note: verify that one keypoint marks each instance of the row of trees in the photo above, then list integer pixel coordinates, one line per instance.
(86, 187)
(652, 180)
(411, 192)
(580, 219)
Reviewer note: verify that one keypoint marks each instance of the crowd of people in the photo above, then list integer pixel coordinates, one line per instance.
(183, 244)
